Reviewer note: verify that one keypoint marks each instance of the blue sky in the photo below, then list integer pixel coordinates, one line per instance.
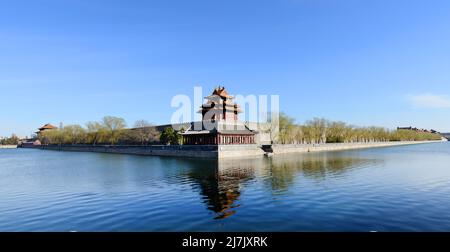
(383, 63)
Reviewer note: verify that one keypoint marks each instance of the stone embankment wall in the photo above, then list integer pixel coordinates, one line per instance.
(237, 151)
(303, 148)
(219, 152)
(8, 146)
(199, 151)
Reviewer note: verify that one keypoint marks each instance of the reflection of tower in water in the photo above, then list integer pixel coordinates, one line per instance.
(220, 186)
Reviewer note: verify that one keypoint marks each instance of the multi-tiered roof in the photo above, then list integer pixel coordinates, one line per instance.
(47, 126)
(221, 105)
(220, 124)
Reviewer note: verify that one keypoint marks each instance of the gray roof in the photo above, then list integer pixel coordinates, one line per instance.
(226, 131)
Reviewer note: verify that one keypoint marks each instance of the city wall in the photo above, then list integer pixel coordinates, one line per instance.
(304, 148)
(8, 146)
(197, 151)
(221, 151)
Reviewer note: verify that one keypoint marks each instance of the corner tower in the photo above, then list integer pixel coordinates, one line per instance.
(220, 106)
(221, 113)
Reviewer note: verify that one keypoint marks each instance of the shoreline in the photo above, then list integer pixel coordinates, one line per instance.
(8, 146)
(222, 151)
(305, 148)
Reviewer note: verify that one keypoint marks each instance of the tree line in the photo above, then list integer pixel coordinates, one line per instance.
(13, 140)
(318, 131)
(111, 131)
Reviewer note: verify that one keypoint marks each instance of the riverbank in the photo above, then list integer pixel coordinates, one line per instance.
(195, 151)
(8, 146)
(221, 151)
(304, 148)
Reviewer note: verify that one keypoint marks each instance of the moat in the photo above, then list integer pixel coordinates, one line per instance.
(405, 188)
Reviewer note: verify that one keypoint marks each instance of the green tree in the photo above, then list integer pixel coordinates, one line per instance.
(73, 134)
(114, 128)
(170, 137)
(54, 136)
(286, 129)
(96, 133)
(13, 140)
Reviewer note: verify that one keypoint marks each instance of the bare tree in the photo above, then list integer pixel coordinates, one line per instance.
(145, 132)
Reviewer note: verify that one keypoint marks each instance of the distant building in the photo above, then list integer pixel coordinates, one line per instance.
(418, 130)
(29, 142)
(46, 127)
(220, 124)
(446, 135)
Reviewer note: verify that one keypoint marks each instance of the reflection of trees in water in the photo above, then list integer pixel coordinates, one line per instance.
(318, 166)
(220, 183)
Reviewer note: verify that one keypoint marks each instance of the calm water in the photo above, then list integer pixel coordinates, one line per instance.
(389, 189)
